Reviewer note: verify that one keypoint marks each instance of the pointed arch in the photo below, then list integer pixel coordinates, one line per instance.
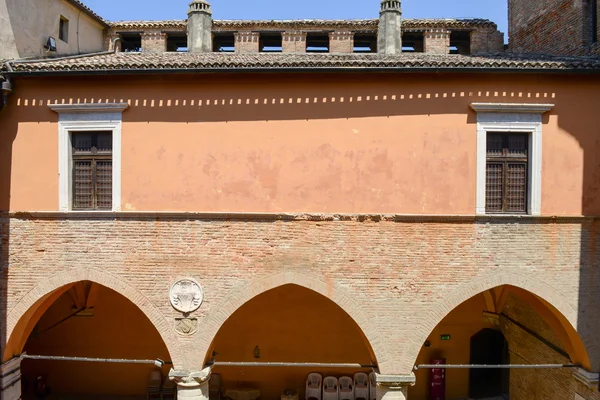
(239, 296)
(548, 303)
(31, 306)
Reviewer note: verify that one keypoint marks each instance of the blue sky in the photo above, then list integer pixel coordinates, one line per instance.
(116, 10)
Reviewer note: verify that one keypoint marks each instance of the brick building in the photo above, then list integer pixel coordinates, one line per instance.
(189, 209)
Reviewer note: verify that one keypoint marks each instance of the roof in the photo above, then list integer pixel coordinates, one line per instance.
(78, 4)
(358, 24)
(406, 62)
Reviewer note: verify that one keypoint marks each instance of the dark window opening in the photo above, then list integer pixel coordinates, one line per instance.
(412, 42)
(92, 170)
(460, 41)
(224, 42)
(63, 29)
(271, 42)
(365, 42)
(177, 42)
(594, 12)
(506, 173)
(491, 348)
(131, 42)
(317, 42)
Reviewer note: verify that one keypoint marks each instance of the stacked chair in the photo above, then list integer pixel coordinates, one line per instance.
(359, 387)
(313, 386)
(331, 389)
(154, 385)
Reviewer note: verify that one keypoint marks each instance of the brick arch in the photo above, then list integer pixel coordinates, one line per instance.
(458, 295)
(49, 285)
(240, 296)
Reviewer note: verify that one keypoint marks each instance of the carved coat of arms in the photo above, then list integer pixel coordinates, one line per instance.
(186, 295)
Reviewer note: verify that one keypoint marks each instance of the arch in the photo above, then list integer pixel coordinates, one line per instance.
(565, 314)
(50, 287)
(240, 296)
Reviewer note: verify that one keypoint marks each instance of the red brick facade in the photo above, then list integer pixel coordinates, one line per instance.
(560, 27)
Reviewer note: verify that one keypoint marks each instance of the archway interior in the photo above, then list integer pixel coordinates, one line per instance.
(504, 325)
(488, 347)
(287, 324)
(107, 326)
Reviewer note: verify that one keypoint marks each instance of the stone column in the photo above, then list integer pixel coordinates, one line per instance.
(247, 42)
(199, 27)
(341, 42)
(191, 385)
(393, 387)
(389, 39)
(293, 42)
(154, 42)
(10, 380)
(437, 41)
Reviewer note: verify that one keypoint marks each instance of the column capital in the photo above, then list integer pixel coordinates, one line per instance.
(590, 379)
(190, 379)
(395, 381)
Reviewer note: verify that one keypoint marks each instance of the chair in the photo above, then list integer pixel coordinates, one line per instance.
(214, 387)
(372, 387)
(361, 386)
(313, 386)
(346, 391)
(331, 388)
(154, 385)
(169, 390)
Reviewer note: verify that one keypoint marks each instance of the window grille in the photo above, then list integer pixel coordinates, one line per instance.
(92, 170)
(507, 173)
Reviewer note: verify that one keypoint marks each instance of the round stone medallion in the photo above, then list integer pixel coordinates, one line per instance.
(186, 295)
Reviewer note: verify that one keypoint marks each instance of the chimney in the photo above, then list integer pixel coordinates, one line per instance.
(199, 27)
(389, 40)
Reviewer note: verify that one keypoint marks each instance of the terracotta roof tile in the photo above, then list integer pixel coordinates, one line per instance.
(358, 24)
(127, 62)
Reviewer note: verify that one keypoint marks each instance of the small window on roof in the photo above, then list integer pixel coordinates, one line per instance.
(460, 42)
(63, 29)
(177, 42)
(271, 42)
(365, 42)
(131, 42)
(412, 42)
(224, 42)
(317, 42)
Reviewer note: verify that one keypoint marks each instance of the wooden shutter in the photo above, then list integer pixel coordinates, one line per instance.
(92, 170)
(507, 172)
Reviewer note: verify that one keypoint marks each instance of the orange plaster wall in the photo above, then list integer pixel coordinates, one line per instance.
(118, 329)
(461, 324)
(304, 143)
(289, 324)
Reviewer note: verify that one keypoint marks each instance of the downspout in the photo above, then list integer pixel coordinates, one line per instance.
(7, 87)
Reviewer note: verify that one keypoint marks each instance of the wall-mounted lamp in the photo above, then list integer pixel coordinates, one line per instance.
(50, 44)
(257, 352)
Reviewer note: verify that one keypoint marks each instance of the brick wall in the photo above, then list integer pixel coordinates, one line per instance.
(525, 348)
(247, 42)
(398, 277)
(559, 27)
(294, 42)
(341, 42)
(154, 42)
(487, 40)
(437, 41)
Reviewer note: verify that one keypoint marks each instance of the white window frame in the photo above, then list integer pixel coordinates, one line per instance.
(509, 118)
(82, 118)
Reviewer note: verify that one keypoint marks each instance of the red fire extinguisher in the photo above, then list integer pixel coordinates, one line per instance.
(437, 386)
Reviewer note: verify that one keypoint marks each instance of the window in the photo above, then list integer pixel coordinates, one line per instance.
(317, 42)
(63, 29)
(92, 170)
(506, 173)
(89, 156)
(509, 157)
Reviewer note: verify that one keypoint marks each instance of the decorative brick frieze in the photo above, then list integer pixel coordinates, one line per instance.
(247, 42)
(154, 42)
(436, 41)
(294, 42)
(341, 42)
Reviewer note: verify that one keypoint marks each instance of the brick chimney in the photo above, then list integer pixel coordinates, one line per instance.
(199, 27)
(389, 40)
